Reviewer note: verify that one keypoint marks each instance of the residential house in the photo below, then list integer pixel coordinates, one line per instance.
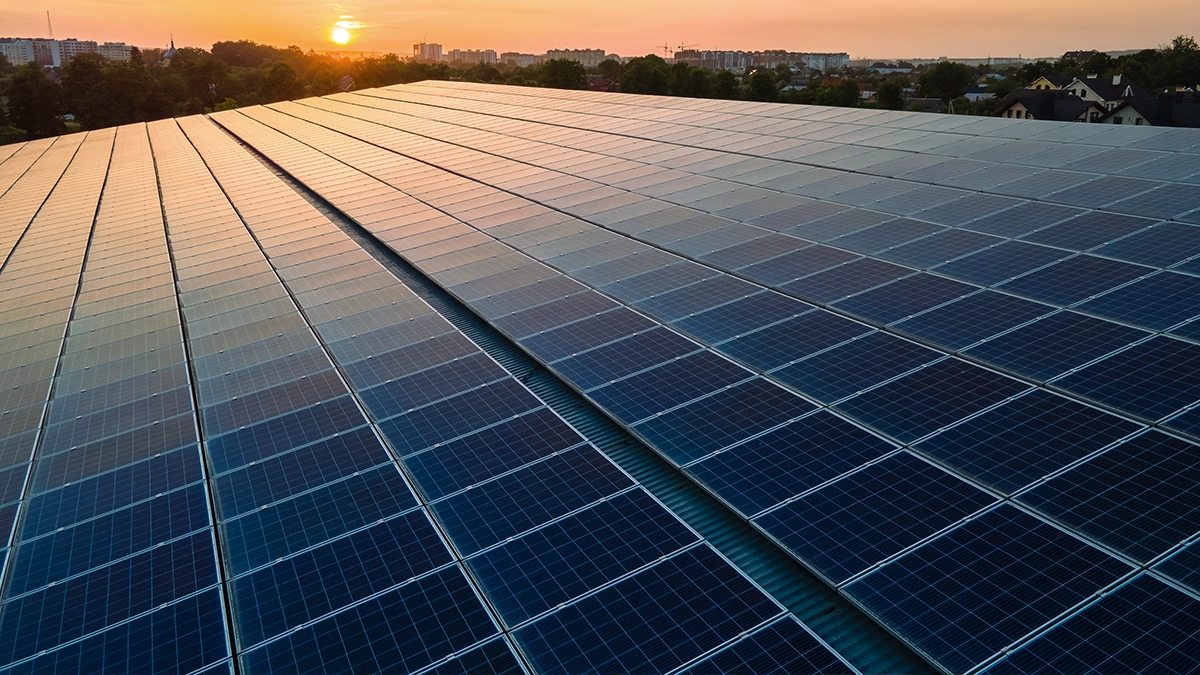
(1169, 109)
(1107, 91)
(1060, 106)
(1050, 82)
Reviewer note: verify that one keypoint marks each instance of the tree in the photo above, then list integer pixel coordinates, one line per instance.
(725, 86)
(645, 76)
(35, 102)
(844, 94)
(281, 84)
(890, 94)
(762, 86)
(563, 74)
(611, 69)
(946, 80)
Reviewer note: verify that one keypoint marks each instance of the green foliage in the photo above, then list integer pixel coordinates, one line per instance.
(227, 104)
(648, 75)
(35, 103)
(563, 74)
(281, 84)
(610, 68)
(762, 86)
(946, 80)
(726, 86)
(844, 94)
(890, 94)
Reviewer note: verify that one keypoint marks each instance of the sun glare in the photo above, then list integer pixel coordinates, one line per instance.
(340, 35)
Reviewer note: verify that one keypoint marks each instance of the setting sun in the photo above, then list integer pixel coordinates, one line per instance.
(340, 35)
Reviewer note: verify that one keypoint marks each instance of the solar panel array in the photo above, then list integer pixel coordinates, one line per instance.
(948, 364)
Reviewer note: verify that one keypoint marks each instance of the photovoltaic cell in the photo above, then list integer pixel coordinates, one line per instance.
(1138, 497)
(1028, 438)
(1145, 626)
(536, 572)
(971, 592)
(688, 433)
(930, 399)
(782, 647)
(857, 521)
(710, 603)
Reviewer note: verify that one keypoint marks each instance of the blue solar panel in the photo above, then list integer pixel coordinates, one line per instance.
(1145, 626)
(859, 520)
(792, 339)
(1055, 344)
(453, 466)
(1022, 219)
(848, 279)
(273, 600)
(771, 468)
(970, 593)
(515, 502)
(790, 266)
(310, 518)
(432, 384)
(668, 385)
(730, 415)
(847, 369)
(1028, 438)
(784, 647)
(1088, 230)
(179, 638)
(1160, 246)
(930, 398)
(415, 430)
(633, 626)
(741, 316)
(1150, 379)
(97, 542)
(1074, 279)
(493, 658)
(1138, 497)
(623, 357)
(1156, 302)
(586, 333)
(110, 491)
(998, 263)
(536, 572)
(1183, 567)
(973, 318)
(904, 297)
(405, 629)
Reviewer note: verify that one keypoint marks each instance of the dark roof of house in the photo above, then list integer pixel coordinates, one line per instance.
(1177, 109)
(1113, 88)
(1049, 105)
(1059, 80)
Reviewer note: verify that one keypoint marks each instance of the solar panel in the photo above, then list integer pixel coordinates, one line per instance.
(820, 315)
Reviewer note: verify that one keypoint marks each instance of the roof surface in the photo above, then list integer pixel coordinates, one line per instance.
(948, 366)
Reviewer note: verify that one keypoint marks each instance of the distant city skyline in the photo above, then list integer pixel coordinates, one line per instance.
(863, 28)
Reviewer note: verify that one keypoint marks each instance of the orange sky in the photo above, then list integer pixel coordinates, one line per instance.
(864, 28)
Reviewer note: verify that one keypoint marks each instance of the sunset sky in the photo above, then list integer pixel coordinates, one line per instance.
(864, 28)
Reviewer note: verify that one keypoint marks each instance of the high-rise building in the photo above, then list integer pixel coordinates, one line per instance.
(588, 57)
(46, 52)
(471, 56)
(427, 51)
(453, 378)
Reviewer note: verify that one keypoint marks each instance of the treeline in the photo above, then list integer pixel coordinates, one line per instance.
(91, 92)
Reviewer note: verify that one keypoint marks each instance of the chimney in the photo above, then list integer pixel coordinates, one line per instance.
(1116, 79)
